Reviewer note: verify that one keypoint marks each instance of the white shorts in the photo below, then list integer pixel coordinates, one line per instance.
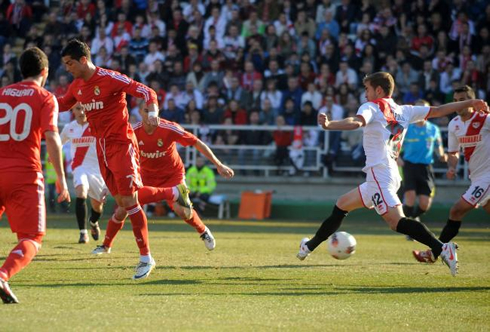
(379, 190)
(91, 180)
(478, 193)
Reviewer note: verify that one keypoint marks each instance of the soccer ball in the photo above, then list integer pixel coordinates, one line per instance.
(341, 245)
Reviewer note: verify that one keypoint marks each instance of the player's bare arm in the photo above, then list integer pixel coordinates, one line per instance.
(452, 163)
(53, 145)
(223, 170)
(477, 104)
(351, 123)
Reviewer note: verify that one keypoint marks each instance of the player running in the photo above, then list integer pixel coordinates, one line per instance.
(385, 124)
(87, 179)
(102, 94)
(157, 145)
(27, 113)
(471, 132)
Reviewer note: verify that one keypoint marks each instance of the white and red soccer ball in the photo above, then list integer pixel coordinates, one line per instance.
(341, 245)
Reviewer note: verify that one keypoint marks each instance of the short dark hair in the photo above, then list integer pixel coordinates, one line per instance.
(466, 88)
(32, 62)
(381, 79)
(76, 49)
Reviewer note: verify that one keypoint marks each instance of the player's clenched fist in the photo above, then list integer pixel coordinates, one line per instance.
(323, 120)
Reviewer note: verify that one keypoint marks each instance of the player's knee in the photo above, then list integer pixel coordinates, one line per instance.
(342, 202)
(35, 239)
(120, 213)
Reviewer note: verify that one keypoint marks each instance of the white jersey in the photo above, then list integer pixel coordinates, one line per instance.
(82, 146)
(386, 126)
(473, 136)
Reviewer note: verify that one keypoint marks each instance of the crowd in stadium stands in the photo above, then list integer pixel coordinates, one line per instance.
(245, 61)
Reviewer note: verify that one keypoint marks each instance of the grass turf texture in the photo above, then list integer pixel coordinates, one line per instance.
(252, 281)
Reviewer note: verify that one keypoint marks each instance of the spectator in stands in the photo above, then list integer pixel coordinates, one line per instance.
(197, 76)
(176, 95)
(414, 93)
(177, 75)
(405, 77)
(343, 95)
(237, 93)
(19, 15)
(450, 74)
(267, 115)
(334, 112)
(153, 55)
(251, 156)
(214, 75)
(308, 116)
(191, 93)
(282, 139)
(172, 112)
(138, 45)
(212, 112)
(346, 75)
(271, 93)
(237, 114)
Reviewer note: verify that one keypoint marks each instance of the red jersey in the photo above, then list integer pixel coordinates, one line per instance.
(103, 98)
(160, 161)
(26, 112)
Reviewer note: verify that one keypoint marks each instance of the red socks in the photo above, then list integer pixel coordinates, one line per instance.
(153, 194)
(140, 228)
(21, 255)
(113, 227)
(196, 222)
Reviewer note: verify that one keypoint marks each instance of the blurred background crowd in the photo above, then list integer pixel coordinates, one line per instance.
(260, 62)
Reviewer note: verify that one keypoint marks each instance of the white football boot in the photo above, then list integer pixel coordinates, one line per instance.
(304, 251)
(208, 239)
(99, 250)
(450, 257)
(143, 270)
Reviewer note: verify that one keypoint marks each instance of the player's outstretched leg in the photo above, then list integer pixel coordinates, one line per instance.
(419, 232)
(20, 256)
(81, 213)
(196, 222)
(328, 227)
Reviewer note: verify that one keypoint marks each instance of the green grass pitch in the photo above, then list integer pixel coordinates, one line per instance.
(252, 281)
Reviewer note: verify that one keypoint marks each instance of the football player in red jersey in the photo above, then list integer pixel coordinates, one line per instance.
(157, 144)
(27, 113)
(102, 94)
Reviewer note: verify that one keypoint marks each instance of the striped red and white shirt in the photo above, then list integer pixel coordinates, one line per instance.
(473, 136)
(386, 126)
(82, 146)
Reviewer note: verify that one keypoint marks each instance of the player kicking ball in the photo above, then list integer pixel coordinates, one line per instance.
(469, 131)
(385, 124)
(163, 175)
(102, 94)
(87, 179)
(27, 113)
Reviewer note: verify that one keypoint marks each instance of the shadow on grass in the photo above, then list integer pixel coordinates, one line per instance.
(408, 290)
(355, 225)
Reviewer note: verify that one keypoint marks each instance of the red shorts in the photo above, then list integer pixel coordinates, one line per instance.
(119, 166)
(22, 199)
